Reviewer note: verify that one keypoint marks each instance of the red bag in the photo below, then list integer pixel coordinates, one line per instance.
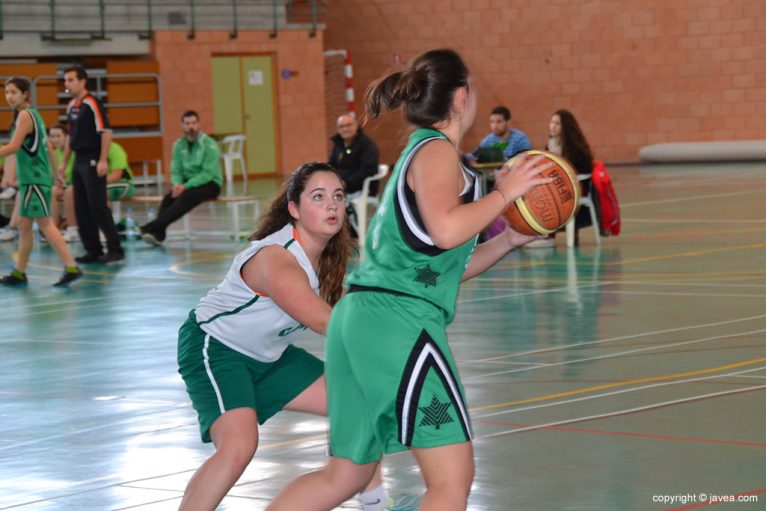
(608, 207)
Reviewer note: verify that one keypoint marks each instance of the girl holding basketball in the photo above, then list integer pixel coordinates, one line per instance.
(391, 378)
(235, 351)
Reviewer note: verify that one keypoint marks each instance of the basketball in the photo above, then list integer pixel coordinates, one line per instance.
(548, 207)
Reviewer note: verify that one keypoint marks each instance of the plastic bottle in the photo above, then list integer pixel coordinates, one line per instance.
(130, 225)
(152, 214)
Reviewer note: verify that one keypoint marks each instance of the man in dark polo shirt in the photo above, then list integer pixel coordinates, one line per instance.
(89, 138)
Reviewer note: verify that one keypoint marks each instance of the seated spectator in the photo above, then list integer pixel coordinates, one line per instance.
(195, 174)
(119, 180)
(354, 155)
(504, 142)
(567, 139)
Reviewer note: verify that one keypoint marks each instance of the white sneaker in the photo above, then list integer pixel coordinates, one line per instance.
(71, 235)
(8, 234)
(541, 243)
(8, 193)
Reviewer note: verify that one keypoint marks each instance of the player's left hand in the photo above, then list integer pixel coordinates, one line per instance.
(517, 239)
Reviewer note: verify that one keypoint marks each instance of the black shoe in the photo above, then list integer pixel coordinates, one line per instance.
(13, 280)
(112, 257)
(88, 258)
(67, 277)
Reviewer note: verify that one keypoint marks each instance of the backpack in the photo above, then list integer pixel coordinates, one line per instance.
(607, 206)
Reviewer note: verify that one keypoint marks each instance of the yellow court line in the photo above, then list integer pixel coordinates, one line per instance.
(620, 384)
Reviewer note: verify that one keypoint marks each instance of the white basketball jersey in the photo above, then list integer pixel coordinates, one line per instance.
(246, 321)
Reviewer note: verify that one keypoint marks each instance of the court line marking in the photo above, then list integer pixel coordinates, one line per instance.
(622, 353)
(605, 394)
(692, 198)
(637, 435)
(627, 411)
(622, 338)
(535, 292)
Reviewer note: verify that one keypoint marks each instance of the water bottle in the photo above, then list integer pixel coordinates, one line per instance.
(152, 214)
(130, 225)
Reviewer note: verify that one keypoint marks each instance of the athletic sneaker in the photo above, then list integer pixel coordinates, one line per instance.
(71, 234)
(151, 239)
(541, 243)
(112, 257)
(8, 193)
(88, 258)
(8, 234)
(67, 277)
(15, 278)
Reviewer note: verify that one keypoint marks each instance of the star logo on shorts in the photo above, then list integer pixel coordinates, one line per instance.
(426, 275)
(436, 413)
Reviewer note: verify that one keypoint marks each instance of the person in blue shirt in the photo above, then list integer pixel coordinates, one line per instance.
(503, 138)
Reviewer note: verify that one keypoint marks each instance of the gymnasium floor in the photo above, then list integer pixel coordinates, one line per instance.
(601, 378)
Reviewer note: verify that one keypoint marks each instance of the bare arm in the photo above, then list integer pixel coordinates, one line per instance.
(437, 180)
(24, 127)
(103, 165)
(273, 271)
(489, 252)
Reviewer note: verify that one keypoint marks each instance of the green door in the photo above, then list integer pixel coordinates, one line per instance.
(243, 102)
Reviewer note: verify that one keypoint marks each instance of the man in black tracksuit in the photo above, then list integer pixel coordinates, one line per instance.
(355, 156)
(89, 138)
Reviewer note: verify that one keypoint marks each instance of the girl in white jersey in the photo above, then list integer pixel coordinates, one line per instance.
(235, 351)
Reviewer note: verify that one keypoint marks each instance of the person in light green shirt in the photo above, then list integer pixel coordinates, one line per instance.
(119, 180)
(196, 176)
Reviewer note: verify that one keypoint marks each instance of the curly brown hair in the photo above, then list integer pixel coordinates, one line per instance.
(332, 262)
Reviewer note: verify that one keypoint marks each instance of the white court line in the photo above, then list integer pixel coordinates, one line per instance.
(623, 412)
(616, 392)
(539, 292)
(622, 338)
(693, 198)
(693, 221)
(620, 354)
(697, 295)
(754, 376)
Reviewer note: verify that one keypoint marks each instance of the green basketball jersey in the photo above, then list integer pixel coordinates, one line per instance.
(32, 167)
(401, 257)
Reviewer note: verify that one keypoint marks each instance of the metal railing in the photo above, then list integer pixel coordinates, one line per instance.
(97, 86)
(86, 20)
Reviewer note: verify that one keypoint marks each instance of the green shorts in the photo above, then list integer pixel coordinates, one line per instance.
(35, 201)
(219, 378)
(392, 383)
(118, 190)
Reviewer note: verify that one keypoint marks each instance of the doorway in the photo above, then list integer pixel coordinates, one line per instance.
(244, 102)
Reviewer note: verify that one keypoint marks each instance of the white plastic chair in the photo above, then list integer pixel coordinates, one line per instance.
(233, 149)
(585, 200)
(360, 202)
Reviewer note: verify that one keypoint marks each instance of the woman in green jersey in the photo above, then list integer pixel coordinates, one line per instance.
(392, 383)
(28, 142)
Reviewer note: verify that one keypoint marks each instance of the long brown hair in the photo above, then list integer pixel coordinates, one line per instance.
(424, 88)
(332, 262)
(574, 146)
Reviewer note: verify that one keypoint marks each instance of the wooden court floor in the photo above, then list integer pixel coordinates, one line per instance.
(630, 376)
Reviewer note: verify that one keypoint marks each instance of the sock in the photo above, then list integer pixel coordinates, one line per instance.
(374, 500)
(19, 274)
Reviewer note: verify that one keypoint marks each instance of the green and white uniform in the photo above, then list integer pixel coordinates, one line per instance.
(392, 382)
(117, 159)
(33, 169)
(235, 349)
